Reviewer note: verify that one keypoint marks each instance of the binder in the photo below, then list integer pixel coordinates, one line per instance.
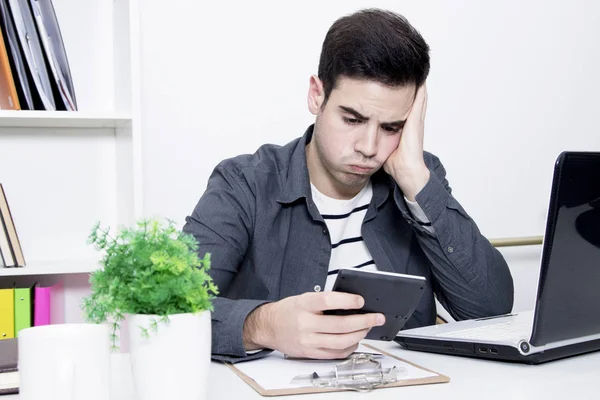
(22, 309)
(41, 306)
(56, 56)
(48, 305)
(32, 51)
(7, 314)
(9, 99)
(11, 231)
(17, 64)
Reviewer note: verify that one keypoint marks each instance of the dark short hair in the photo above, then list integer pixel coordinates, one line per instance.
(375, 45)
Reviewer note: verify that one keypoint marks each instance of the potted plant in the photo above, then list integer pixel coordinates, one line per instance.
(152, 274)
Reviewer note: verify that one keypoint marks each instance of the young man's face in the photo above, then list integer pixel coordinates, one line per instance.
(355, 132)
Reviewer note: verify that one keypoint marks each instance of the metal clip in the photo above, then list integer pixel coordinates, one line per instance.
(360, 372)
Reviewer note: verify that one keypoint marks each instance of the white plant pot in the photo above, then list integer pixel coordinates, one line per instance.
(173, 362)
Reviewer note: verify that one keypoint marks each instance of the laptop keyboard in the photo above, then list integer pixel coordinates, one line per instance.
(516, 329)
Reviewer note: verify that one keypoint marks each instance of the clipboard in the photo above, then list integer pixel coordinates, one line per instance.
(253, 378)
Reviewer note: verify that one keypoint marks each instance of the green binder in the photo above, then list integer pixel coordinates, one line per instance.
(22, 309)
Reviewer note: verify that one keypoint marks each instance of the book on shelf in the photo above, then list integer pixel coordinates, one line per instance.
(8, 91)
(15, 58)
(6, 255)
(10, 246)
(23, 308)
(32, 51)
(39, 68)
(48, 305)
(9, 374)
(55, 54)
(7, 313)
(20, 308)
(34, 305)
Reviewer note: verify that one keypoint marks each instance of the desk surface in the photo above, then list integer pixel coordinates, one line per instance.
(576, 377)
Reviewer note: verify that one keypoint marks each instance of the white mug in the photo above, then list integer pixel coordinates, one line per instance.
(64, 362)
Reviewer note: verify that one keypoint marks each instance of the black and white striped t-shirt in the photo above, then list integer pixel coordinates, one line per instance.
(344, 220)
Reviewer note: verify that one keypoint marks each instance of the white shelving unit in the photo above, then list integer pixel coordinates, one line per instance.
(64, 171)
(62, 119)
(52, 268)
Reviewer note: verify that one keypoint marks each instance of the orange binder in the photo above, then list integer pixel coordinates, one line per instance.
(7, 313)
(8, 92)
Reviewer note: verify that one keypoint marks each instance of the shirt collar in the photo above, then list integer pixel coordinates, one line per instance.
(296, 183)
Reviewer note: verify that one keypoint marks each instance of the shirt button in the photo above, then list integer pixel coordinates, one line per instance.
(317, 288)
(324, 231)
(450, 249)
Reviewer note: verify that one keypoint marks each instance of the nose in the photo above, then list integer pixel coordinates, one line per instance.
(367, 142)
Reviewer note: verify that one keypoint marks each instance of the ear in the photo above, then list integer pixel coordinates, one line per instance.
(316, 95)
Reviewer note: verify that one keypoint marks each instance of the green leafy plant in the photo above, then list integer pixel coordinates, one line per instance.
(152, 269)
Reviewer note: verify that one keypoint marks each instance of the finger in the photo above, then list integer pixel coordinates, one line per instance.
(346, 323)
(331, 354)
(317, 302)
(340, 341)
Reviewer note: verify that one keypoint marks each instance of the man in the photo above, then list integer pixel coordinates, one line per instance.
(355, 191)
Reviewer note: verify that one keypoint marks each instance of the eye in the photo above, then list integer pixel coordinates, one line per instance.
(392, 129)
(352, 121)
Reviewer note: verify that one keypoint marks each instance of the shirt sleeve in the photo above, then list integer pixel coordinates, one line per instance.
(419, 216)
(222, 223)
(469, 276)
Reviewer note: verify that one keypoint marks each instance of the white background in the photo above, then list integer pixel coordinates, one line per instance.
(512, 84)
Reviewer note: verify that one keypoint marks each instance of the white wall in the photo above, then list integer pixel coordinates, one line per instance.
(512, 84)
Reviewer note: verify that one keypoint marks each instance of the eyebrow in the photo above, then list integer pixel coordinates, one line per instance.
(394, 124)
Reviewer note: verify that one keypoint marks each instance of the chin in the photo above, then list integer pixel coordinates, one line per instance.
(355, 181)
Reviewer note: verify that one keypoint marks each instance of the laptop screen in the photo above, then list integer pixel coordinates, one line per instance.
(568, 298)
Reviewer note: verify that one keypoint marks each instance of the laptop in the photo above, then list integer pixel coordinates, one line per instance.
(565, 320)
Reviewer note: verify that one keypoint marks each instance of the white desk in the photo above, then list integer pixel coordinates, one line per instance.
(573, 378)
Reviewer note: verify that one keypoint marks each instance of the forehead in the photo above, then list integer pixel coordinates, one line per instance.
(367, 95)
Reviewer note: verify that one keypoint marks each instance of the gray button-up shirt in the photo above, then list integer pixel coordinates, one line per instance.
(267, 241)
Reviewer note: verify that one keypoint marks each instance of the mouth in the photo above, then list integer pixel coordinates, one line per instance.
(361, 169)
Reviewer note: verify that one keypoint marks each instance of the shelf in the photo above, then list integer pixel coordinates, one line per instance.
(61, 119)
(52, 268)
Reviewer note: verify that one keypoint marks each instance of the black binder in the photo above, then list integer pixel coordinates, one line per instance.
(31, 52)
(17, 64)
(55, 54)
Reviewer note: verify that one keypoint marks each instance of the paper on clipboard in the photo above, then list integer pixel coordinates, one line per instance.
(30, 46)
(52, 42)
(16, 61)
(272, 375)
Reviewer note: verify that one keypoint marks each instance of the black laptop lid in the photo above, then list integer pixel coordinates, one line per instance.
(568, 297)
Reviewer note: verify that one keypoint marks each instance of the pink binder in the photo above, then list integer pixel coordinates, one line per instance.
(41, 307)
(48, 305)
